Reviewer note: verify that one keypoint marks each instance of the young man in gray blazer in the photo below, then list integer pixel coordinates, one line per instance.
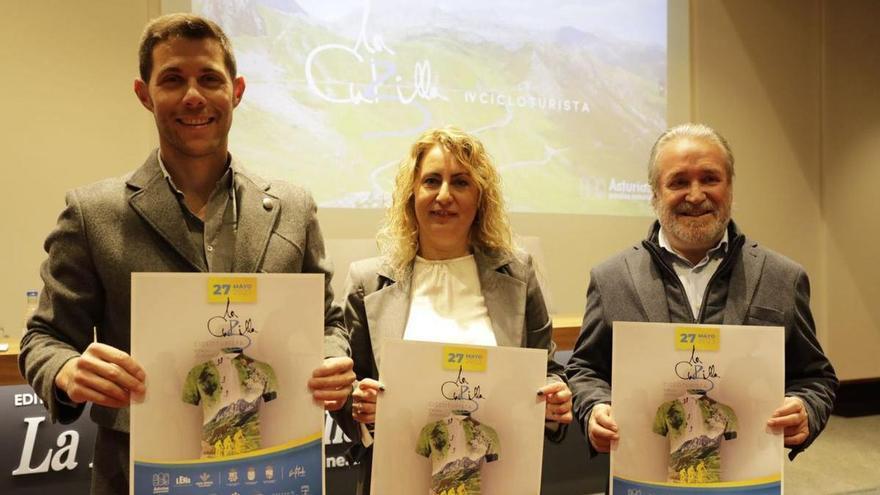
(695, 266)
(190, 207)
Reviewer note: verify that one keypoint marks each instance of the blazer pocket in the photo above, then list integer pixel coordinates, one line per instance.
(759, 315)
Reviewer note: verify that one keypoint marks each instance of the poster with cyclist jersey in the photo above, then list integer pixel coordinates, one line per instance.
(227, 409)
(691, 403)
(457, 419)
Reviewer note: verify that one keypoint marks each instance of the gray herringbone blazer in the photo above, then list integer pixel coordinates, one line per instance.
(765, 288)
(134, 224)
(377, 308)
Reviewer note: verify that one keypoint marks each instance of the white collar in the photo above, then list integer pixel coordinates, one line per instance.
(720, 246)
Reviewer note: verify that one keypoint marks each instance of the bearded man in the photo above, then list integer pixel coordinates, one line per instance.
(695, 266)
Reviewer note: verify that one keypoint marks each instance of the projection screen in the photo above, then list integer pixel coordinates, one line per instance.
(566, 95)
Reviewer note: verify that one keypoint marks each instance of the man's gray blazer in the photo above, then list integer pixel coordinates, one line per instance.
(134, 224)
(765, 288)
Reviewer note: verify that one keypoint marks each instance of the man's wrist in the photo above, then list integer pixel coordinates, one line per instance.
(61, 382)
(62, 398)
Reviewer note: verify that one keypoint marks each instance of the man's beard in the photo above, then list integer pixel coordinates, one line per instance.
(695, 230)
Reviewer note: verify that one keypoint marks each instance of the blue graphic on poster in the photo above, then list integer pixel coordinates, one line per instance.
(294, 469)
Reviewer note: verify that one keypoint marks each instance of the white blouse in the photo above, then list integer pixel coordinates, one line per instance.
(447, 305)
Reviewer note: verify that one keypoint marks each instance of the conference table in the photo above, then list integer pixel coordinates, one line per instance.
(9, 374)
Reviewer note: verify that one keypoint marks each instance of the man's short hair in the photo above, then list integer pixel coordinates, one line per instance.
(692, 131)
(187, 26)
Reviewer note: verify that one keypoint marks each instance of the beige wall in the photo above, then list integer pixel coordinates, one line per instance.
(793, 85)
(756, 67)
(788, 82)
(850, 179)
(69, 117)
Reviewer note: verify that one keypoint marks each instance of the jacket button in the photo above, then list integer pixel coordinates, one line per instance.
(268, 204)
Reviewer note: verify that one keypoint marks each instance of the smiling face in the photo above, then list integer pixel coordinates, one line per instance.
(191, 96)
(693, 194)
(445, 199)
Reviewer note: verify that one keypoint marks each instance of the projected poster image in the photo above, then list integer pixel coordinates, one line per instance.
(567, 96)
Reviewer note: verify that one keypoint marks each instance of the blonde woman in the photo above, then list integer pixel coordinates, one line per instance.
(448, 273)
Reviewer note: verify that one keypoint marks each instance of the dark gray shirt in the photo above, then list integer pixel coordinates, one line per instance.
(213, 237)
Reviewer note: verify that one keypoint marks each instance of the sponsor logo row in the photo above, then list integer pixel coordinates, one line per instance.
(252, 475)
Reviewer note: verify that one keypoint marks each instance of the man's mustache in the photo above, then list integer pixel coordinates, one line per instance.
(707, 206)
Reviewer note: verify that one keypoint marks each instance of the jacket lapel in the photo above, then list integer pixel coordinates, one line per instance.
(155, 203)
(648, 285)
(504, 296)
(257, 212)
(743, 282)
(387, 311)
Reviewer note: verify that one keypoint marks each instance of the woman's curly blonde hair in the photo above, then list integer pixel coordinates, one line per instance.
(490, 232)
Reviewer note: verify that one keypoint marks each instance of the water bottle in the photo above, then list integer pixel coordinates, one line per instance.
(30, 308)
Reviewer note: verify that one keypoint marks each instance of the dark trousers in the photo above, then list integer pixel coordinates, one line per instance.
(365, 473)
(110, 465)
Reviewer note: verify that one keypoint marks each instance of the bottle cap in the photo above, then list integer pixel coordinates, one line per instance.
(32, 293)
